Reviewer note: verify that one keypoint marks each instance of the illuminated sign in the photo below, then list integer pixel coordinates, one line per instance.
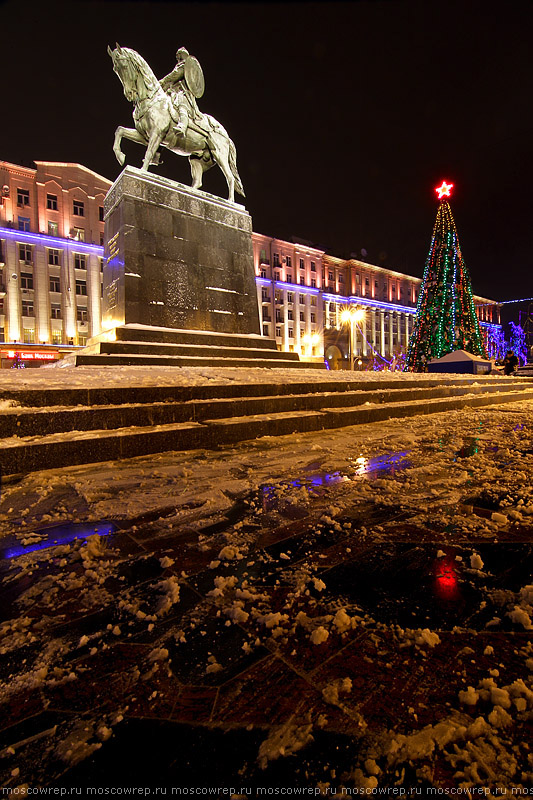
(31, 355)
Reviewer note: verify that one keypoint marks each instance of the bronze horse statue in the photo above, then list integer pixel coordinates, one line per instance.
(205, 141)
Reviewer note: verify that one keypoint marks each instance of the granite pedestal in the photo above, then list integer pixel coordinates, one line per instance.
(177, 258)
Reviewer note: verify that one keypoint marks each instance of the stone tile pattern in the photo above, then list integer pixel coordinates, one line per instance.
(177, 258)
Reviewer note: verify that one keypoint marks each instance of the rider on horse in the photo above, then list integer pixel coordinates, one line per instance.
(184, 84)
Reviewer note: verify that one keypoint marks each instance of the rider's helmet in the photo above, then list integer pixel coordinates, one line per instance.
(182, 54)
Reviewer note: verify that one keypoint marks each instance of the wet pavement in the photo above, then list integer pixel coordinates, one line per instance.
(289, 638)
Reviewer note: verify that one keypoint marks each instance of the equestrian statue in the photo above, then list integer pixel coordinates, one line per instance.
(166, 114)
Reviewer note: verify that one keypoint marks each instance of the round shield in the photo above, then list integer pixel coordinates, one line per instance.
(194, 77)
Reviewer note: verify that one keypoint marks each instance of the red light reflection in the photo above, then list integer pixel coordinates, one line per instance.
(446, 580)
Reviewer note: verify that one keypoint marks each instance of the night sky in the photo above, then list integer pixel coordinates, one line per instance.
(345, 115)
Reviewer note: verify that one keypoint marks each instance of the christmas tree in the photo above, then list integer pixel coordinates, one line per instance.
(445, 317)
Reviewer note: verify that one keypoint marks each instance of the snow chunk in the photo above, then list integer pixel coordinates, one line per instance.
(342, 621)
(284, 740)
(469, 697)
(230, 553)
(170, 590)
(319, 635)
(476, 561)
(520, 617)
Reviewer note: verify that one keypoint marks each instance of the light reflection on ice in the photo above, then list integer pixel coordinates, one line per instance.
(60, 534)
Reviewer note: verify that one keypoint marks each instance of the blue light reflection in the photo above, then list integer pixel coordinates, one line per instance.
(59, 535)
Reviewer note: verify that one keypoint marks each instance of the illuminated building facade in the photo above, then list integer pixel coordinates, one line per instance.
(51, 262)
(51, 253)
(303, 292)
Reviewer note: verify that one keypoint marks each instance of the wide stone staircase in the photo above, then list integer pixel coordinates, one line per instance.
(137, 345)
(54, 428)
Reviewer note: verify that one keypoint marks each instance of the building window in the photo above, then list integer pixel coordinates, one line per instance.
(23, 197)
(313, 301)
(313, 283)
(330, 276)
(290, 314)
(302, 264)
(313, 317)
(80, 261)
(28, 334)
(341, 277)
(24, 223)
(26, 280)
(263, 273)
(289, 278)
(264, 295)
(57, 337)
(101, 264)
(266, 330)
(51, 202)
(78, 234)
(291, 333)
(302, 279)
(55, 284)
(53, 257)
(27, 309)
(278, 331)
(289, 261)
(313, 266)
(279, 318)
(78, 208)
(81, 314)
(82, 340)
(276, 259)
(100, 213)
(25, 253)
(81, 288)
(2, 336)
(53, 229)
(55, 311)
(276, 276)
(101, 240)
(290, 297)
(302, 316)
(367, 282)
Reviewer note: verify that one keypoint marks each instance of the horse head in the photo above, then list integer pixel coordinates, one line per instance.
(124, 67)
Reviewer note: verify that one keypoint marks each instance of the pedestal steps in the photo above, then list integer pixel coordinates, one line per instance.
(169, 347)
(64, 435)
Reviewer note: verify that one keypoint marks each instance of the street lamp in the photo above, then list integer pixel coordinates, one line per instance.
(352, 316)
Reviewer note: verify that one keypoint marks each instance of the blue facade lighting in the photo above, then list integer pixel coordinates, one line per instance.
(51, 241)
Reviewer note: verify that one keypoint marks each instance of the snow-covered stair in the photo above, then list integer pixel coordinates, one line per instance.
(58, 428)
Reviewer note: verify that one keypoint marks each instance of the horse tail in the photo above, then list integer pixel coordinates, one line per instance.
(233, 167)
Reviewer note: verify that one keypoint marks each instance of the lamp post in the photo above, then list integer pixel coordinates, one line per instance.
(353, 316)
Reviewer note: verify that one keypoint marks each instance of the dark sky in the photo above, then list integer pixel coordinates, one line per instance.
(345, 115)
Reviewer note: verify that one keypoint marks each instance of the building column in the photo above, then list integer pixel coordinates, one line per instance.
(285, 315)
(296, 315)
(327, 314)
(407, 316)
(382, 333)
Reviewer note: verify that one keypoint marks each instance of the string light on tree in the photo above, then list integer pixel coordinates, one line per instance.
(445, 317)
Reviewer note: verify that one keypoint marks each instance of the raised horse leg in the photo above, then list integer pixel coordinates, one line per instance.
(126, 133)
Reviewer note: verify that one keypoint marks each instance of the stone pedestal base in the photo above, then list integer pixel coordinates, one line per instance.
(177, 258)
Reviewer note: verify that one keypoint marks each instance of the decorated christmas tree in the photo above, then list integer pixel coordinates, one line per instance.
(445, 317)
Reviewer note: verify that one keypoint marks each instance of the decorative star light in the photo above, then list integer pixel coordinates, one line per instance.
(444, 190)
